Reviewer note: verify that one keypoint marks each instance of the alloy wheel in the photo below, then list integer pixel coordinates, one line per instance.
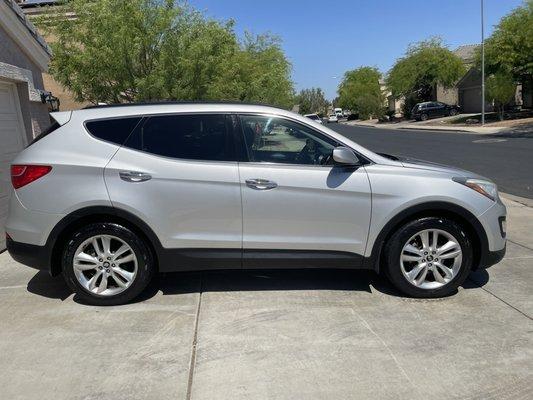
(431, 259)
(105, 265)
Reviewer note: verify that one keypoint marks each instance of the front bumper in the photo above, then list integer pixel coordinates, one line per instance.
(491, 258)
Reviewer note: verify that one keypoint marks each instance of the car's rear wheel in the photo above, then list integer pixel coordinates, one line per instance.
(106, 264)
(453, 112)
(429, 257)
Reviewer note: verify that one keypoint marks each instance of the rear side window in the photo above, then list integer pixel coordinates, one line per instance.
(114, 130)
(192, 137)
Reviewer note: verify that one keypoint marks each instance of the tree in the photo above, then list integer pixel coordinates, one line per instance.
(312, 101)
(424, 65)
(510, 47)
(501, 87)
(360, 92)
(138, 50)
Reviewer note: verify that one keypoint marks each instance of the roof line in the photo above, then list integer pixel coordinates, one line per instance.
(32, 30)
(177, 102)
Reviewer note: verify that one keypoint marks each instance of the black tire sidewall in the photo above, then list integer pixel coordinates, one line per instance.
(402, 235)
(144, 263)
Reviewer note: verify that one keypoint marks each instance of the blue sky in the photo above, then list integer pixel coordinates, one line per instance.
(324, 39)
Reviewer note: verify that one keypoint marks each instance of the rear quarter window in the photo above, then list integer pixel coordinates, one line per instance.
(115, 130)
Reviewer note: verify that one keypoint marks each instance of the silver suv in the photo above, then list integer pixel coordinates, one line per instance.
(111, 195)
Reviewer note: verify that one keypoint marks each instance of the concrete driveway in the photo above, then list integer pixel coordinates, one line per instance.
(274, 335)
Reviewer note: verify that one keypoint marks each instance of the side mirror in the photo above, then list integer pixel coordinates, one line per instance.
(344, 155)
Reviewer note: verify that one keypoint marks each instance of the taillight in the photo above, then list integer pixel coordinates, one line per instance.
(21, 175)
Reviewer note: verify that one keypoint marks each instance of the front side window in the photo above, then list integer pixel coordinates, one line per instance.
(192, 137)
(274, 139)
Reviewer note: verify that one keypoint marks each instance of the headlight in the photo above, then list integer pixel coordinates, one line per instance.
(482, 186)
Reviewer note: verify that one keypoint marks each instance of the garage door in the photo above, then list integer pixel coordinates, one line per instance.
(11, 142)
(471, 100)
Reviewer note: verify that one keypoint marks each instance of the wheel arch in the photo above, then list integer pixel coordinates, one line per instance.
(432, 209)
(78, 218)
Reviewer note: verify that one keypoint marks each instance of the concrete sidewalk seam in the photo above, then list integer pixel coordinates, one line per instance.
(499, 298)
(192, 362)
(518, 244)
(396, 362)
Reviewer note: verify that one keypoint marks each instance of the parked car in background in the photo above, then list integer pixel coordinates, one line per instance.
(333, 118)
(338, 112)
(433, 109)
(114, 194)
(314, 117)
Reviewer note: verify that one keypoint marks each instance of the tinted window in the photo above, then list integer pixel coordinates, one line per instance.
(114, 130)
(193, 137)
(271, 139)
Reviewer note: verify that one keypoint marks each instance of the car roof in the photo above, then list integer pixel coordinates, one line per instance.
(116, 110)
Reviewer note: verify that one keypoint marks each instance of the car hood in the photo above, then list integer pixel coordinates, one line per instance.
(428, 165)
(408, 162)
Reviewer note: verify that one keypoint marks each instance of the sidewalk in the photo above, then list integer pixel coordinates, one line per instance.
(425, 126)
(310, 334)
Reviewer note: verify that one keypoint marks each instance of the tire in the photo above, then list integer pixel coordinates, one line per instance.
(453, 112)
(134, 275)
(424, 117)
(396, 258)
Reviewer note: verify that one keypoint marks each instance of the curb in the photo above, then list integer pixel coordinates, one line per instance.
(522, 200)
(429, 128)
(440, 130)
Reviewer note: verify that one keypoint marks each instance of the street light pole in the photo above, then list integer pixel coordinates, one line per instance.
(482, 65)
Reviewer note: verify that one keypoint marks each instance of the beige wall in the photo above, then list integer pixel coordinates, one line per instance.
(448, 96)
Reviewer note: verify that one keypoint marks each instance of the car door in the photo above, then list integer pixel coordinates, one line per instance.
(440, 109)
(298, 208)
(430, 110)
(179, 174)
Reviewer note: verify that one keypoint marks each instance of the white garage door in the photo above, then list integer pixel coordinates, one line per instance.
(11, 142)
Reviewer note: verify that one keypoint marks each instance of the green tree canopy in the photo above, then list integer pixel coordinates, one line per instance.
(501, 87)
(137, 50)
(424, 65)
(510, 48)
(312, 101)
(360, 92)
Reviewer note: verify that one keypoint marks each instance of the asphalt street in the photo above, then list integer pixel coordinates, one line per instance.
(507, 159)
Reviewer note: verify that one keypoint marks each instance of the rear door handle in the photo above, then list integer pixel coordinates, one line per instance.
(134, 176)
(261, 184)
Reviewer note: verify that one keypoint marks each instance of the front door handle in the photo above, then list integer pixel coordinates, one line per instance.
(134, 176)
(261, 184)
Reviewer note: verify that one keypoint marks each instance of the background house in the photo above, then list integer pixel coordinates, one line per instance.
(52, 9)
(467, 91)
(24, 56)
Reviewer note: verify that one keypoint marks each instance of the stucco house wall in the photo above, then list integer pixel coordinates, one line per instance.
(17, 66)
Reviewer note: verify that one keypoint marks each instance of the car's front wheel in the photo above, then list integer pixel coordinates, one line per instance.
(429, 257)
(106, 264)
